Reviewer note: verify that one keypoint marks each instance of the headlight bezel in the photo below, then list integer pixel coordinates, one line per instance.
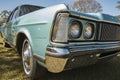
(75, 23)
(91, 34)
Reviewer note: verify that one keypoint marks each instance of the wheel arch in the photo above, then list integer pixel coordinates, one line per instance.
(19, 40)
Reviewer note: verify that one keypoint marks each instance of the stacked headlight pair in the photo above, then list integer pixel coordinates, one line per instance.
(64, 29)
(76, 29)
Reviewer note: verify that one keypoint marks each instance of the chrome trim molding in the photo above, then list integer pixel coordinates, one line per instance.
(39, 58)
(34, 23)
(81, 43)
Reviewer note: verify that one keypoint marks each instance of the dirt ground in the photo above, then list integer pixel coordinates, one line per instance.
(11, 69)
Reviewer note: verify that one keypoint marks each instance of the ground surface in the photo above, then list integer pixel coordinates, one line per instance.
(11, 69)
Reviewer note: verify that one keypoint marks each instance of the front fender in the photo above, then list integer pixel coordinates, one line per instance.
(26, 33)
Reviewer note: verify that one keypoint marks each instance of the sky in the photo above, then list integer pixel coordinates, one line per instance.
(108, 5)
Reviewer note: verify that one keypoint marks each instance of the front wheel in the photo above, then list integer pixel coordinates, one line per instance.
(29, 63)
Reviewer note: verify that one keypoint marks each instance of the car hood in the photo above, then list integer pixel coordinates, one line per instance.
(97, 16)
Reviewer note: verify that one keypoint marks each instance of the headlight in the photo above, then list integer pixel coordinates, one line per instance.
(89, 31)
(75, 29)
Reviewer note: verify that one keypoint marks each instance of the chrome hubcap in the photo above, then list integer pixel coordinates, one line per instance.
(27, 57)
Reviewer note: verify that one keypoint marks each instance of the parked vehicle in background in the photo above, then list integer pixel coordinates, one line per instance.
(59, 39)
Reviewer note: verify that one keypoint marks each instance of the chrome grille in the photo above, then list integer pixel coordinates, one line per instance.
(109, 32)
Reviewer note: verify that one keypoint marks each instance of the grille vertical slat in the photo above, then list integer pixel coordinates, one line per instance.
(109, 32)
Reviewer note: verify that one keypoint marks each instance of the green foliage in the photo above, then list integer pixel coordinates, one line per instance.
(1, 22)
(118, 6)
(118, 17)
(3, 16)
(87, 6)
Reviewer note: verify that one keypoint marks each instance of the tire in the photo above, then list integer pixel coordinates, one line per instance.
(30, 65)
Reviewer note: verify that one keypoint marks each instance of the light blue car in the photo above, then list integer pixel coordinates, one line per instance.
(59, 39)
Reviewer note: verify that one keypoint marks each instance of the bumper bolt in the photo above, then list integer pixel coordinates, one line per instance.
(73, 60)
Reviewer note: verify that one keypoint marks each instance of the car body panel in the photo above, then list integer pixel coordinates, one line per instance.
(39, 35)
(36, 27)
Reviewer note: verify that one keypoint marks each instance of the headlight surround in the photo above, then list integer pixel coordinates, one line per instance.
(75, 29)
(89, 31)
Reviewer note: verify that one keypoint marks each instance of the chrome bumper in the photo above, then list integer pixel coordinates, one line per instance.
(62, 58)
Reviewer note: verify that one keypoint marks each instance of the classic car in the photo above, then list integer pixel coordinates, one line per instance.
(59, 39)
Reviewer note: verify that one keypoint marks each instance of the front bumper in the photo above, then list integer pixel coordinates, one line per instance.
(63, 57)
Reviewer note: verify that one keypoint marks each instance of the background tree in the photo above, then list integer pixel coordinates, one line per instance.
(118, 6)
(87, 6)
(118, 17)
(3, 16)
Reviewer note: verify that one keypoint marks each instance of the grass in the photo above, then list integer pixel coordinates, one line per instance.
(10, 64)
(11, 69)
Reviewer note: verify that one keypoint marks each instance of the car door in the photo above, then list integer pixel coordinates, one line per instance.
(9, 27)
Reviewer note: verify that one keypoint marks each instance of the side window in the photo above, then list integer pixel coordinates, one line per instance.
(23, 10)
